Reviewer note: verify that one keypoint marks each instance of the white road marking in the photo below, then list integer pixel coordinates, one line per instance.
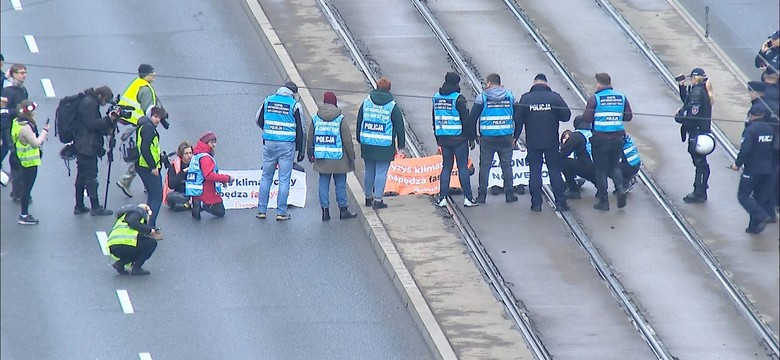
(145, 356)
(124, 300)
(16, 4)
(102, 240)
(48, 88)
(31, 43)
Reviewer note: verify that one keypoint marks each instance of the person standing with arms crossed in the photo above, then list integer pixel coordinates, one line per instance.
(149, 163)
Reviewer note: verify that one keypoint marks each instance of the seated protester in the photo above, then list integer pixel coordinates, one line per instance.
(629, 162)
(203, 176)
(173, 192)
(132, 240)
(577, 144)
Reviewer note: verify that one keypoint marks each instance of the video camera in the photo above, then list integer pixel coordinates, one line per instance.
(125, 111)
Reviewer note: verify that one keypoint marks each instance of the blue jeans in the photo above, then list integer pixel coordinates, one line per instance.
(153, 186)
(553, 159)
(340, 181)
(282, 153)
(460, 153)
(375, 178)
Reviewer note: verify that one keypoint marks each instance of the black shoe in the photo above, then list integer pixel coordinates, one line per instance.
(511, 198)
(580, 181)
(28, 220)
(325, 214)
(120, 268)
(344, 213)
(695, 198)
(369, 201)
(495, 190)
(772, 220)
(379, 204)
(78, 210)
(536, 208)
(562, 207)
(100, 211)
(621, 198)
(602, 204)
(481, 198)
(572, 194)
(196, 208)
(137, 271)
(520, 189)
(283, 217)
(757, 228)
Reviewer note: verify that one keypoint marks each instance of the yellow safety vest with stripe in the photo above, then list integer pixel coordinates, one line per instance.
(123, 234)
(155, 149)
(27, 154)
(130, 98)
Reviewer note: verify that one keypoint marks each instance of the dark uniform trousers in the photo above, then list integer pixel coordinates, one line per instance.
(488, 145)
(702, 175)
(754, 195)
(553, 159)
(136, 255)
(572, 168)
(628, 172)
(606, 157)
(86, 179)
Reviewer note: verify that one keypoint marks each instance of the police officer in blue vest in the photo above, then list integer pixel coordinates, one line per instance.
(541, 111)
(455, 136)
(695, 118)
(495, 114)
(756, 155)
(630, 162)
(607, 109)
(283, 135)
(577, 159)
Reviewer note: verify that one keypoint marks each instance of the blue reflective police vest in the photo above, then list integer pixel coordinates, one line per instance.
(587, 134)
(377, 128)
(193, 184)
(279, 122)
(446, 119)
(608, 114)
(496, 117)
(327, 138)
(630, 150)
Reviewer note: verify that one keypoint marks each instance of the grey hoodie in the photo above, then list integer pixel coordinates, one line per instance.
(328, 112)
(496, 92)
(299, 129)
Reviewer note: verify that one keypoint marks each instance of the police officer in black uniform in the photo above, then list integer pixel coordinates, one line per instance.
(541, 110)
(769, 55)
(755, 154)
(577, 143)
(696, 117)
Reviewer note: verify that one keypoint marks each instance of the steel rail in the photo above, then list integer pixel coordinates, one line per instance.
(769, 339)
(628, 304)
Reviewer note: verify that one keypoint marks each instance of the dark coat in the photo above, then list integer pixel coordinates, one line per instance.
(469, 130)
(756, 148)
(382, 153)
(15, 95)
(92, 127)
(541, 110)
(328, 112)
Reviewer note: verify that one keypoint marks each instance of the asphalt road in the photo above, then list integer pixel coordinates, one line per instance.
(232, 288)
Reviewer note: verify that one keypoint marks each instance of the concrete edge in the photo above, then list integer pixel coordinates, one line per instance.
(383, 246)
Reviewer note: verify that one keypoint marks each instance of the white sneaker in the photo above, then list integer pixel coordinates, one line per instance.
(470, 203)
(441, 202)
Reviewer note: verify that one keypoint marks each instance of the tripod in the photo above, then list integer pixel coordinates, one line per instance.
(110, 156)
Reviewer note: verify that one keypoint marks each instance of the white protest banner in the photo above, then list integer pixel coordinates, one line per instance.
(520, 171)
(243, 191)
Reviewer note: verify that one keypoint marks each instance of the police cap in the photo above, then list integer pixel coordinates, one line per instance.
(757, 86)
(776, 35)
(698, 72)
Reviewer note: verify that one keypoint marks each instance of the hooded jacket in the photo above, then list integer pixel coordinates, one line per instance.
(541, 111)
(207, 165)
(91, 126)
(494, 93)
(577, 143)
(299, 130)
(382, 153)
(328, 112)
(461, 106)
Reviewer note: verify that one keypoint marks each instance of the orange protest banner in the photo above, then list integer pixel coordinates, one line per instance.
(418, 176)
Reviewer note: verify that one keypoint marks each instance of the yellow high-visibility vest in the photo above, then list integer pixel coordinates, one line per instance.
(122, 233)
(27, 154)
(130, 98)
(154, 148)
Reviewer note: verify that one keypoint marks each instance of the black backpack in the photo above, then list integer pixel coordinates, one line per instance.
(66, 124)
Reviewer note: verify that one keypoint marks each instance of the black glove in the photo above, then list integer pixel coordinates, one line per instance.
(300, 158)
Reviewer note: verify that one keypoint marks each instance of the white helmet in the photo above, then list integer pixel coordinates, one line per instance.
(705, 144)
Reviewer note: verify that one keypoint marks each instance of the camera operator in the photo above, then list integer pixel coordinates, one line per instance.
(695, 118)
(769, 55)
(88, 143)
(174, 187)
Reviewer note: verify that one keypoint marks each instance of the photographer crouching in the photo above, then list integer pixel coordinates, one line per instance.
(88, 143)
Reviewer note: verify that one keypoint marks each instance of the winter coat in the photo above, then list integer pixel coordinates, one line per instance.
(494, 93)
(15, 94)
(461, 106)
(382, 153)
(91, 126)
(299, 130)
(207, 165)
(328, 112)
(541, 110)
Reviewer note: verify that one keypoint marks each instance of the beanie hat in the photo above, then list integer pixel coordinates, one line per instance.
(145, 69)
(452, 78)
(330, 98)
(541, 77)
(292, 86)
(208, 137)
(383, 84)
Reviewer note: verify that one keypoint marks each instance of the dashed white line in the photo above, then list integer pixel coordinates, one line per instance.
(16, 4)
(102, 240)
(31, 44)
(124, 300)
(145, 356)
(48, 88)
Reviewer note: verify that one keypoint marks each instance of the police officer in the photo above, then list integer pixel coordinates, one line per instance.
(755, 154)
(132, 239)
(455, 135)
(149, 162)
(496, 116)
(769, 55)
(577, 144)
(141, 96)
(630, 162)
(283, 135)
(541, 110)
(695, 118)
(607, 109)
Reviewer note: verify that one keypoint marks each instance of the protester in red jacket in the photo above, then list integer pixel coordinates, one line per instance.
(210, 201)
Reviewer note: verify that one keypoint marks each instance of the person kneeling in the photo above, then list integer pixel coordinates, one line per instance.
(174, 190)
(202, 178)
(132, 240)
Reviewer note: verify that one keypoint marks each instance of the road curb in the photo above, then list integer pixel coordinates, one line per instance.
(380, 239)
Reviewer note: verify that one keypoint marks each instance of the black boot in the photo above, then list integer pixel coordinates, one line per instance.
(98, 210)
(369, 201)
(120, 268)
(602, 204)
(699, 194)
(344, 213)
(137, 270)
(325, 214)
(80, 208)
(510, 195)
(481, 197)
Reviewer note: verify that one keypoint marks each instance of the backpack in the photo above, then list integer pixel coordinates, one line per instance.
(66, 124)
(128, 148)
